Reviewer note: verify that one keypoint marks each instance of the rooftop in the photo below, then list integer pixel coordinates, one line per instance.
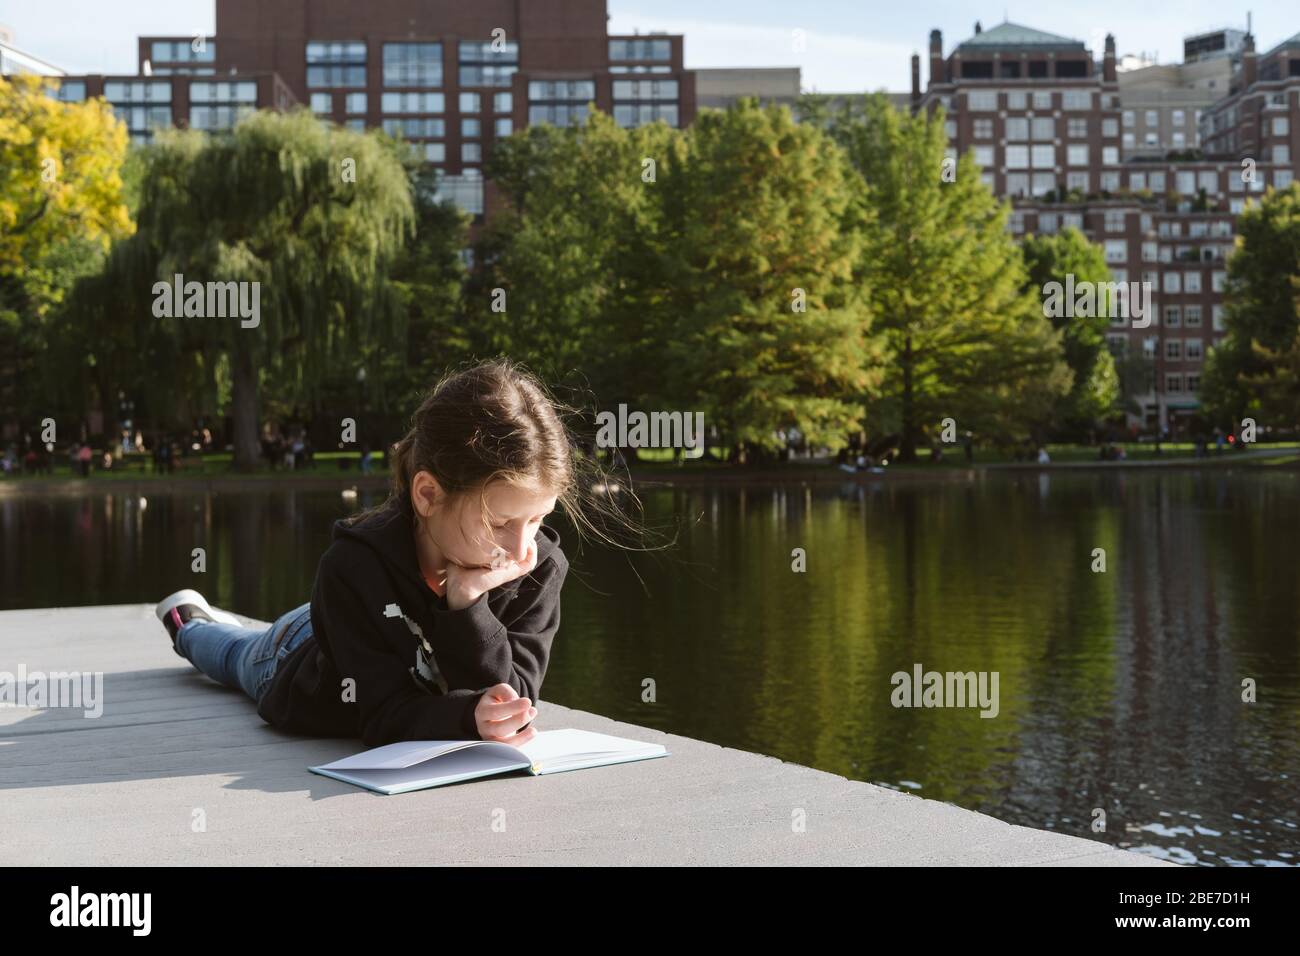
(1014, 35)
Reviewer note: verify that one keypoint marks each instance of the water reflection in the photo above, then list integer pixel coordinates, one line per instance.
(1119, 691)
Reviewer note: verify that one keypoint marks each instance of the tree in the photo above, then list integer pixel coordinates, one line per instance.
(1260, 312)
(61, 204)
(575, 255)
(770, 328)
(312, 214)
(1053, 258)
(945, 282)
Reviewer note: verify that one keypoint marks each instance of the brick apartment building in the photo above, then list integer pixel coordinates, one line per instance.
(1046, 122)
(451, 77)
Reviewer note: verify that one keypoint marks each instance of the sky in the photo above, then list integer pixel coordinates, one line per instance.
(848, 45)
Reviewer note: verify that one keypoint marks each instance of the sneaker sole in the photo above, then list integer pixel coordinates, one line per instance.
(188, 596)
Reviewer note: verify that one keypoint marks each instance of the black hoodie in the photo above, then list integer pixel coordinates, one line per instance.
(416, 668)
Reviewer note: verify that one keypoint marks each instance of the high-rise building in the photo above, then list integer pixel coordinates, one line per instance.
(1047, 124)
(449, 76)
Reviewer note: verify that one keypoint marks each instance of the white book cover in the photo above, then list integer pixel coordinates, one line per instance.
(419, 764)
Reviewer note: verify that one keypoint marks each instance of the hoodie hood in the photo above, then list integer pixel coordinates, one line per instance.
(388, 532)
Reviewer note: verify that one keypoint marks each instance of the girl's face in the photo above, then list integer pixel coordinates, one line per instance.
(474, 534)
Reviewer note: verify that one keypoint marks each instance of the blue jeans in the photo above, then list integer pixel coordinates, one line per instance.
(243, 657)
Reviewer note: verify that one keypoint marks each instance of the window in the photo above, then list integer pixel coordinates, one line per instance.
(1218, 280)
(1043, 157)
(1016, 100)
(1173, 382)
(1191, 282)
(412, 64)
(321, 103)
(357, 124)
(984, 155)
(1137, 181)
(1110, 181)
(435, 152)
(1173, 316)
(183, 51)
(1194, 381)
(1281, 153)
(1044, 127)
(470, 103)
(1116, 250)
(564, 114)
(989, 180)
(1077, 127)
(1150, 251)
(1047, 222)
(1281, 126)
(982, 100)
(1043, 183)
(1178, 117)
(466, 191)
(1157, 182)
(640, 49)
(470, 129)
(217, 106)
(1077, 154)
(1115, 220)
(1042, 99)
(409, 128)
(1109, 155)
(638, 114)
(1174, 350)
(503, 102)
(1128, 119)
(1018, 183)
(355, 102)
(1152, 118)
(336, 64)
(583, 91)
(1193, 351)
(1109, 127)
(1216, 317)
(471, 153)
(1192, 316)
(1173, 282)
(504, 127)
(412, 102)
(1076, 180)
(1282, 178)
(481, 65)
(1017, 128)
(1129, 141)
(983, 129)
(70, 91)
(1075, 99)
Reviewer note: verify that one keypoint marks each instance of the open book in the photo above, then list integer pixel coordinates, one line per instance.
(419, 764)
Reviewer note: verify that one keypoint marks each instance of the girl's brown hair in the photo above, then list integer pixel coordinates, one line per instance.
(497, 421)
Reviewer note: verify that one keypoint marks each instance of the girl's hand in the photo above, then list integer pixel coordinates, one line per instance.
(501, 712)
(467, 585)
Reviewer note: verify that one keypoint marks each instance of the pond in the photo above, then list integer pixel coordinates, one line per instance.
(1118, 691)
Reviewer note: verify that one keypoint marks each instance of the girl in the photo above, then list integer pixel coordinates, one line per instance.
(432, 615)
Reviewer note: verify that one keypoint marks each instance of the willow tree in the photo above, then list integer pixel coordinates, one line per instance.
(310, 212)
(946, 282)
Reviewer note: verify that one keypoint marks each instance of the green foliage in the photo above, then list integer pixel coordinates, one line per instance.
(946, 284)
(1260, 312)
(1051, 258)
